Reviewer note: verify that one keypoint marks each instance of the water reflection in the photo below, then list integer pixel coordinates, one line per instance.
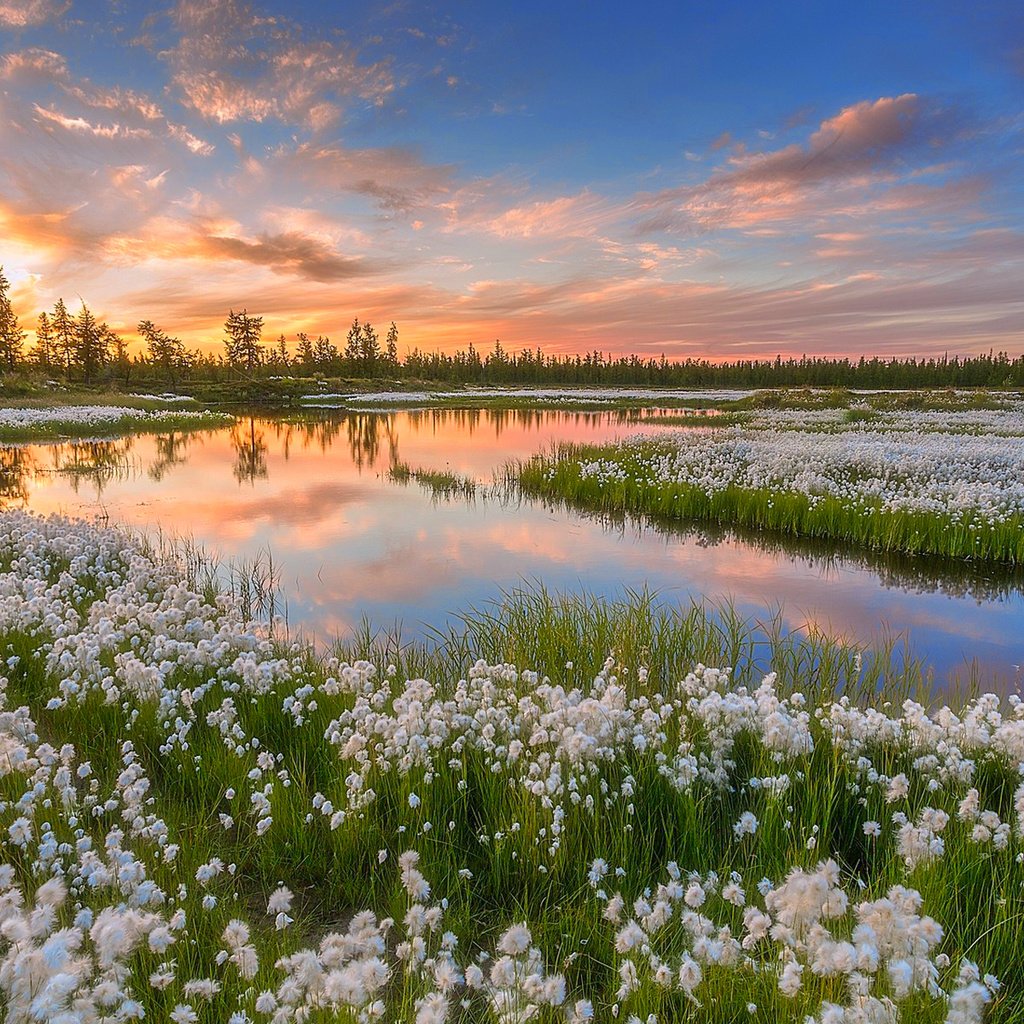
(16, 465)
(913, 574)
(250, 449)
(347, 541)
(171, 451)
(96, 463)
(93, 463)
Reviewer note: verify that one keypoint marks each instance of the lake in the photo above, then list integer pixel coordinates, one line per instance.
(349, 544)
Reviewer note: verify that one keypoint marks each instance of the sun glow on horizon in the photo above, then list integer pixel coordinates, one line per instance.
(174, 162)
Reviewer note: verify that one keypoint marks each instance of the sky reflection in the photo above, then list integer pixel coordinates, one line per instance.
(349, 544)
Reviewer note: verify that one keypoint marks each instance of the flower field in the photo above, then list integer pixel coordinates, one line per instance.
(947, 483)
(99, 420)
(558, 814)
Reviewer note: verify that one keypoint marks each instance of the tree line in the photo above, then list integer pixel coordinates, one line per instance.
(78, 347)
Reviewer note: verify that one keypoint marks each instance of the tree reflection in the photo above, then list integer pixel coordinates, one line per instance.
(250, 448)
(16, 464)
(171, 450)
(365, 431)
(99, 463)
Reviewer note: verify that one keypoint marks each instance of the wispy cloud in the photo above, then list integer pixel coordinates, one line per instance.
(289, 253)
(580, 215)
(81, 125)
(232, 64)
(30, 13)
(866, 145)
(34, 64)
(396, 179)
(241, 158)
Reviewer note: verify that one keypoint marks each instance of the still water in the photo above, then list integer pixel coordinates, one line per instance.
(349, 544)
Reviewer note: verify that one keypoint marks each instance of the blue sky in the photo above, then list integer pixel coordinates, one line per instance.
(707, 179)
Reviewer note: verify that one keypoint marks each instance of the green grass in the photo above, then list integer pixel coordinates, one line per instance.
(296, 393)
(976, 895)
(169, 421)
(731, 410)
(917, 399)
(557, 476)
(441, 483)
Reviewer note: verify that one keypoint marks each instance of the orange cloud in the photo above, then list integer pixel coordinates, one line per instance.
(33, 65)
(102, 131)
(577, 216)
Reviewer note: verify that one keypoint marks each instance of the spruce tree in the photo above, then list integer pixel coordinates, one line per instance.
(242, 340)
(163, 351)
(392, 346)
(44, 353)
(369, 348)
(354, 344)
(64, 332)
(90, 344)
(11, 334)
(304, 352)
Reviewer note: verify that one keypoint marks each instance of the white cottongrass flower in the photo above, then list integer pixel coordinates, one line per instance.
(746, 825)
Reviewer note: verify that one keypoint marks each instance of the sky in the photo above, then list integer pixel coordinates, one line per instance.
(697, 179)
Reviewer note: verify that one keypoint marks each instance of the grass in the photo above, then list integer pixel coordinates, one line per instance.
(730, 410)
(57, 429)
(491, 827)
(440, 483)
(295, 393)
(919, 399)
(558, 476)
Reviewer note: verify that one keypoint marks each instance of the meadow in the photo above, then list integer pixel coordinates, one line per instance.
(565, 809)
(146, 415)
(944, 482)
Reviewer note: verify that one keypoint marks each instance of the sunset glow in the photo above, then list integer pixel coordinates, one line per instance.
(717, 181)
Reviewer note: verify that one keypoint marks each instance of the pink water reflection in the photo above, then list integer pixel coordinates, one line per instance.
(349, 543)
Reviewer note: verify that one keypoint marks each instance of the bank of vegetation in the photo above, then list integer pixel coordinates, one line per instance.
(558, 812)
(241, 364)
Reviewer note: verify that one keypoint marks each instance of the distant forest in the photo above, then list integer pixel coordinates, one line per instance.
(76, 347)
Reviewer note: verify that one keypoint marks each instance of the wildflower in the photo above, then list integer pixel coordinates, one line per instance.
(266, 1002)
(789, 980)
(280, 900)
(745, 826)
(516, 940)
(597, 871)
(899, 787)
(690, 976)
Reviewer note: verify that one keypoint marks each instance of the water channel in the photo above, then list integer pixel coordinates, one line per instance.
(349, 544)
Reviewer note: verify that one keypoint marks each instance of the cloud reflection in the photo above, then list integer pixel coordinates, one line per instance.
(349, 543)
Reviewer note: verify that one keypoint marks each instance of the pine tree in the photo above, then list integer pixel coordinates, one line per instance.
(242, 340)
(116, 350)
(44, 354)
(325, 354)
(354, 343)
(63, 324)
(392, 346)
(164, 351)
(304, 352)
(90, 345)
(11, 334)
(369, 348)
